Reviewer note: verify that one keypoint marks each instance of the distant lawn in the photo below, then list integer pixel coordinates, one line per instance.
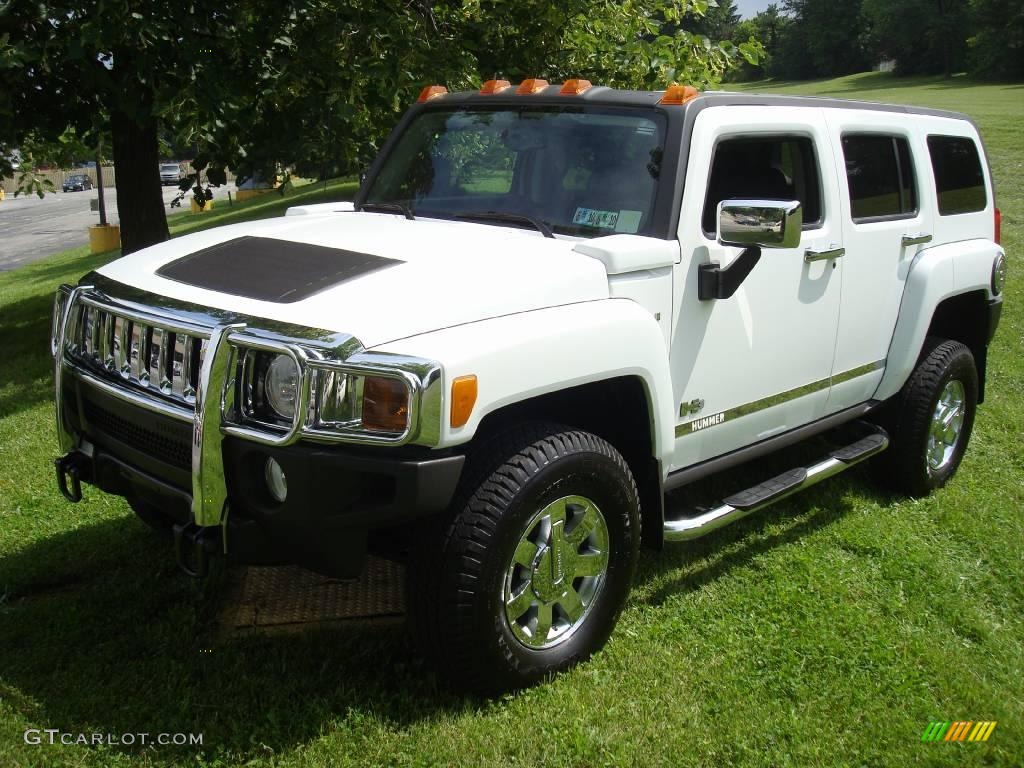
(827, 631)
(263, 207)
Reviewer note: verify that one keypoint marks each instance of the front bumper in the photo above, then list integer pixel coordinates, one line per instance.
(336, 500)
(204, 471)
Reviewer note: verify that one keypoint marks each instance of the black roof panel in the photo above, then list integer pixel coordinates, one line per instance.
(601, 95)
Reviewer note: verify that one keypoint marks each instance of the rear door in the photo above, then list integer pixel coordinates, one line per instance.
(757, 364)
(884, 225)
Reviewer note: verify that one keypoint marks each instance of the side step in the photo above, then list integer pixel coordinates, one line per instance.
(760, 496)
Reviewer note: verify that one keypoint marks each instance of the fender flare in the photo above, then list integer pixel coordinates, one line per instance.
(936, 274)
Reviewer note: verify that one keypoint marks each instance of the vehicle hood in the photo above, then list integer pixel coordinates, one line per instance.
(424, 275)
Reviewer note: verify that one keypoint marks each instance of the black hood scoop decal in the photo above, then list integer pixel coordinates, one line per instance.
(268, 269)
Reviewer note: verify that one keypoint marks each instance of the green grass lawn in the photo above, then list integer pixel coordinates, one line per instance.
(826, 631)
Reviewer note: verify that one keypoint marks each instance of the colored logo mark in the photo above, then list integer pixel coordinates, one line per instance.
(961, 730)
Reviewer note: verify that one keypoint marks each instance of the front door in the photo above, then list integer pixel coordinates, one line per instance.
(759, 363)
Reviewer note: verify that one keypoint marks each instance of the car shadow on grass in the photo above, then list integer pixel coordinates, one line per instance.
(704, 560)
(101, 633)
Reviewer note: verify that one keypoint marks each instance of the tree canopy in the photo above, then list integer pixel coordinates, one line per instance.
(314, 84)
(820, 38)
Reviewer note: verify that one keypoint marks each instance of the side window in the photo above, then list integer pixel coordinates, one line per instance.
(959, 180)
(880, 176)
(767, 168)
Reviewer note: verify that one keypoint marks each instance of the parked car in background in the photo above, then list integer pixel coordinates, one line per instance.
(77, 183)
(170, 173)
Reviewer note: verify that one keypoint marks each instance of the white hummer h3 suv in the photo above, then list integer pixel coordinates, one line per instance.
(548, 309)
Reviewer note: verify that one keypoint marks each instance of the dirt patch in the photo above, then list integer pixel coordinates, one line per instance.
(264, 600)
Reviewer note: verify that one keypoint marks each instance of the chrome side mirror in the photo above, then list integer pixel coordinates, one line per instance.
(761, 223)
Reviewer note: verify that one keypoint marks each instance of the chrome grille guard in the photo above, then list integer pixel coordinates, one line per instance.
(186, 370)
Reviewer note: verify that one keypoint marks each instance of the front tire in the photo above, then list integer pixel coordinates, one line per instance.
(932, 419)
(528, 576)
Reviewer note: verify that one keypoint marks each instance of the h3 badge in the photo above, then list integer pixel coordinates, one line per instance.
(691, 408)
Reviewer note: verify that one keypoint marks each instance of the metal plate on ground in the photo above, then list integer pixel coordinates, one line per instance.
(264, 598)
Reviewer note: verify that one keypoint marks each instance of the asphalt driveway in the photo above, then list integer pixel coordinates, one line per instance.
(32, 229)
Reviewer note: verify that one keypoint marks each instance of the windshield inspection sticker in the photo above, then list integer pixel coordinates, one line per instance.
(590, 217)
(629, 221)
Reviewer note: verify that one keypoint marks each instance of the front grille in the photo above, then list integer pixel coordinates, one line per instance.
(146, 356)
(171, 445)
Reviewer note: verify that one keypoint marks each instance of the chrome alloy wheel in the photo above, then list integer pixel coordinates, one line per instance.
(947, 423)
(556, 573)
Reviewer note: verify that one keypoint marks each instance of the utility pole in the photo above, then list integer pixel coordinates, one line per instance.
(99, 185)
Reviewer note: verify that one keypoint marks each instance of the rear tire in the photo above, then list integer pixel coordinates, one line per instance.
(529, 573)
(931, 420)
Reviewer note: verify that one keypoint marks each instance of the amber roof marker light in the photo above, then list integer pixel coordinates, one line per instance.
(575, 87)
(431, 92)
(531, 86)
(494, 86)
(677, 95)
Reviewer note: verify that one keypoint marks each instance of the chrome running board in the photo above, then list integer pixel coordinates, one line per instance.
(764, 495)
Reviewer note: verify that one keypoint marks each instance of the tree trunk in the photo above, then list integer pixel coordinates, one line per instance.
(140, 197)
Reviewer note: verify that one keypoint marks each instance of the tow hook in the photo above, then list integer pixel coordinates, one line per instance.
(68, 476)
(195, 546)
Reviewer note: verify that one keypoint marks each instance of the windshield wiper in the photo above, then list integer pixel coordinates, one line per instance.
(542, 227)
(387, 208)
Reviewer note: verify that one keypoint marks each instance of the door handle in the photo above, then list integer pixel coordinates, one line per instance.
(829, 253)
(919, 239)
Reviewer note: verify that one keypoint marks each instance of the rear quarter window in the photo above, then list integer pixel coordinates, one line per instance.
(959, 179)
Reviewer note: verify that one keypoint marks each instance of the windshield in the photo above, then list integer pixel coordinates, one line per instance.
(169, 168)
(581, 171)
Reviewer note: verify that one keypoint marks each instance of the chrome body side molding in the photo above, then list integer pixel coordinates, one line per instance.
(746, 409)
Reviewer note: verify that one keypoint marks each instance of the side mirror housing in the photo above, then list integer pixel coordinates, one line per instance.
(760, 223)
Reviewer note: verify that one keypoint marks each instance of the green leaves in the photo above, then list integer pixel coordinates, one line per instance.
(31, 184)
(751, 51)
(261, 85)
(216, 176)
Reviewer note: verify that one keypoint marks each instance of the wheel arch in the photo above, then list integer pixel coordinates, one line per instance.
(964, 318)
(620, 410)
(947, 294)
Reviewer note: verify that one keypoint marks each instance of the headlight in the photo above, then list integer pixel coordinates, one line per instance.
(373, 403)
(280, 392)
(281, 386)
(998, 275)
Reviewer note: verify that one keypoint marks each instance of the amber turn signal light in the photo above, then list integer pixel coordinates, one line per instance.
(575, 87)
(679, 94)
(463, 399)
(531, 86)
(385, 404)
(494, 86)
